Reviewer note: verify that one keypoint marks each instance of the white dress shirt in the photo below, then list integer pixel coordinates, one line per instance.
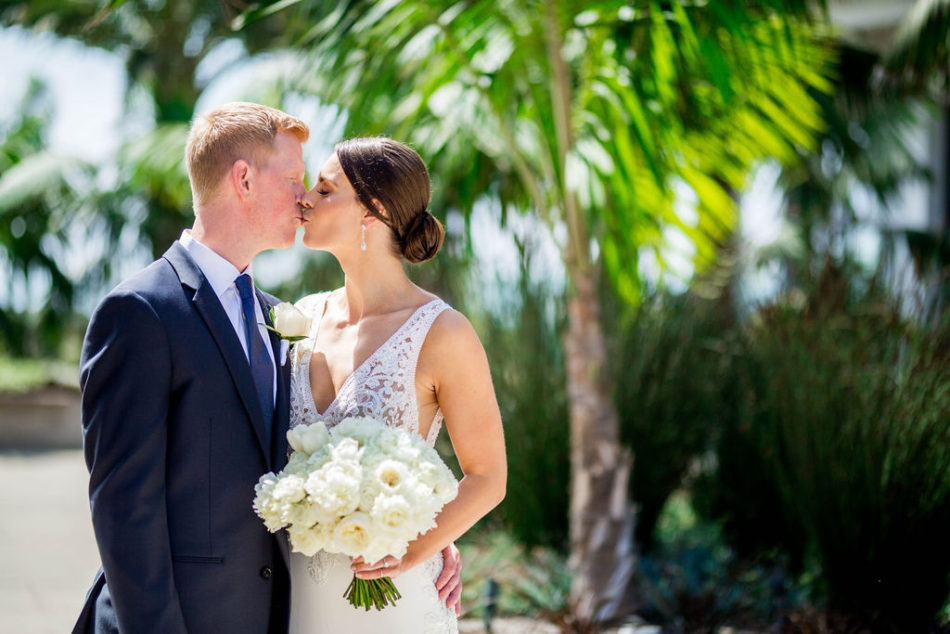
(221, 275)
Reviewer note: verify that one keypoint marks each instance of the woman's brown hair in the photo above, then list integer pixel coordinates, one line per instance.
(392, 173)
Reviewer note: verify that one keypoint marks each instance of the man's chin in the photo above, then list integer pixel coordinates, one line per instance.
(286, 240)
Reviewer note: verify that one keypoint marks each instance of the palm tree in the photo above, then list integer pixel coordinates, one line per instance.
(163, 43)
(589, 117)
(918, 65)
(866, 142)
(919, 58)
(36, 216)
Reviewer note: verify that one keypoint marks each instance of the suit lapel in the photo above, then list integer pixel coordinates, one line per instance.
(209, 307)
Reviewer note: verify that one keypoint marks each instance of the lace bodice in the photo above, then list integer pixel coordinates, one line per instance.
(382, 387)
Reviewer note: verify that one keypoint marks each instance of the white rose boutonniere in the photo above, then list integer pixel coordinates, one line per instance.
(289, 322)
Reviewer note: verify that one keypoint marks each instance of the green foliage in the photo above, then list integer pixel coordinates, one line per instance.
(165, 42)
(527, 365)
(694, 582)
(23, 375)
(38, 219)
(920, 56)
(545, 106)
(152, 174)
(667, 371)
(845, 415)
(532, 582)
(862, 150)
(525, 355)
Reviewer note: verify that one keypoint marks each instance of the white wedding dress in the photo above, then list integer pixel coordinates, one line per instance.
(383, 387)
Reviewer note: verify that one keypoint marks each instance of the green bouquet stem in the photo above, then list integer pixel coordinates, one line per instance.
(371, 593)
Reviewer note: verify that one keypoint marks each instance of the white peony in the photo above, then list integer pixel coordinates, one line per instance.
(392, 513)
(306, 515)
(407, 450)
(297, 465)
(318, 458)
(306, 540)
(264, 504)
(369, 489)
(308, 438)
(294, 440)
(359, 428)
(387, 441)
(391, 475)
(353, 536)
(289, 489)
(335, 488)
(447, 487)
(345, 450)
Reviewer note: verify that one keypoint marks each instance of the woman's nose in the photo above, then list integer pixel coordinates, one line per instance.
(304, 201)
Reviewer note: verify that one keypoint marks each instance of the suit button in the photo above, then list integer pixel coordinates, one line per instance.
(266, 572)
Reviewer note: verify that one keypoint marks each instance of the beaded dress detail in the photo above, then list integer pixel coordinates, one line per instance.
(382, 387)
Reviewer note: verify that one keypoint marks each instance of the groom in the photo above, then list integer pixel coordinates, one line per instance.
(185, 401)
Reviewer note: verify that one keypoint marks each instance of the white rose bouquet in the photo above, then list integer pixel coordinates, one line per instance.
(361, 489)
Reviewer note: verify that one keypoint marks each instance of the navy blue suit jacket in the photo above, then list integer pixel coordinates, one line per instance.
(175, 441)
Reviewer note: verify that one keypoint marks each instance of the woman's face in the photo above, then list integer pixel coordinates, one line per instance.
(333, 220)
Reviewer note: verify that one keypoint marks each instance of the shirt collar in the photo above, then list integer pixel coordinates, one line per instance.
(218, 271)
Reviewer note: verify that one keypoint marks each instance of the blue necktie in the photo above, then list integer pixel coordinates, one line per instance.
(262, 368)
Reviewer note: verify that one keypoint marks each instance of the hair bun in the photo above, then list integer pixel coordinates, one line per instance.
(422, 238)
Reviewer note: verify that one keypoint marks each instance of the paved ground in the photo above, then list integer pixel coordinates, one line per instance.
(49, 553)
(46, 544)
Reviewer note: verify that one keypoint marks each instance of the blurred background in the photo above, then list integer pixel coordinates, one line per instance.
(705, 245)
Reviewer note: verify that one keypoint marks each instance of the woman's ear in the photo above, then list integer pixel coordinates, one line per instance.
(369, 218)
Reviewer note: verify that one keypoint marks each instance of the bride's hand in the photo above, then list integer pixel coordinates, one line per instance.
(385, 567)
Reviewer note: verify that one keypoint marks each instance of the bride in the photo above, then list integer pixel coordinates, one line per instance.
(380, 346)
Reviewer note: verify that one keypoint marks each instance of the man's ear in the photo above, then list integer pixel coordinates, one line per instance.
(240, 178)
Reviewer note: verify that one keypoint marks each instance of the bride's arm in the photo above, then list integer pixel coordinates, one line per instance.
(453, 362)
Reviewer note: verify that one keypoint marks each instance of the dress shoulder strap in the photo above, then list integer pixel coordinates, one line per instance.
(422, 323)
(312, 305)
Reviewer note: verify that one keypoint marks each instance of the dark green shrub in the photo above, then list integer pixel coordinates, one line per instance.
(667, 372)
(843, 431)
(692, 581)
(528, 370)
(739, 488)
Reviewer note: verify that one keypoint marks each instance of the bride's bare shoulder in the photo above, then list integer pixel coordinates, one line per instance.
(452, 335)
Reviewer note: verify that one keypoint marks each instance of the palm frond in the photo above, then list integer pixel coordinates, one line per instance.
(920, 55)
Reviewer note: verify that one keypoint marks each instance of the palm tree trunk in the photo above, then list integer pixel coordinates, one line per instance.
(602, 556)
(601, 515)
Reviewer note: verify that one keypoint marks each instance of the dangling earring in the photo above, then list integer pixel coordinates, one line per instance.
(363, 238)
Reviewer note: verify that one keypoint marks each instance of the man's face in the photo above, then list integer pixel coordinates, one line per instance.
(275, 213)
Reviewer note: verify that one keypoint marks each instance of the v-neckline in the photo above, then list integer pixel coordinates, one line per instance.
(359, 367)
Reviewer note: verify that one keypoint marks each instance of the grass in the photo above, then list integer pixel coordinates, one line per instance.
(18, 376)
